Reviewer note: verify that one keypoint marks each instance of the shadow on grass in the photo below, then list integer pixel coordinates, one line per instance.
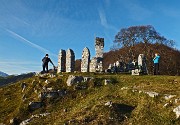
(121, 111)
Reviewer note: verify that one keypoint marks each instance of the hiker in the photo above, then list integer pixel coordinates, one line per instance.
(45, 61)
(156, 64)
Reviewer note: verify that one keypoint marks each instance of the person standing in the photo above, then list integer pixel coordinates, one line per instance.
(45, 61)
(156, 64)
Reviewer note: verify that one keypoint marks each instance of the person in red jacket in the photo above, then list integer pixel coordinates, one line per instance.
(45, 61)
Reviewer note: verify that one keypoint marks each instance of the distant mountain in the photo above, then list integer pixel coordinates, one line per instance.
(13, 78)
(2, 74)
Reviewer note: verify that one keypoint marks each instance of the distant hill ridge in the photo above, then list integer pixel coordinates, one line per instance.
(13, 79)
(2, 74)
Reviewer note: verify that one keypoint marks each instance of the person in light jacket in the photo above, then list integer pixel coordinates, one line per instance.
(156, 64)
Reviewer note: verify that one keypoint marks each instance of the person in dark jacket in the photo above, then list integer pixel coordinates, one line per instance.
(45, 61)
(156, 64)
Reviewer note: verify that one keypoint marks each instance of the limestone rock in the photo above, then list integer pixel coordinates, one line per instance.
(167, 97)
(61, 61)
(23, 86)
(52, 94)
(47, 82)
(177, 100)
(152, 94)
(107, 81)
(135, 72)
(74, 79)
(85, 60)
(70, 60)
(177, 111)
(109, 103)
(14, 121)
(124, 88)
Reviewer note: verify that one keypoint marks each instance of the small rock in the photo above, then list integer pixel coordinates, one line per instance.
(165, 105)
(177, 100)
(86, 79)
(25, 122)
(177, 111)
(14, 121)
(107, 81)
(49, 89)
(152, 94)
(134, 90)
(109, 103)
(47, 82)
(124, 88)
(140, 91)
(23, 86)
(65, 110)
(167, 97)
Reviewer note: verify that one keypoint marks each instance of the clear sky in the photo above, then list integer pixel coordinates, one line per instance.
(31, 28)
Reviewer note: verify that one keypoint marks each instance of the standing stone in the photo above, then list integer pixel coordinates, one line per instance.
(93, 64)
(96, 62)
(117, 63)
(70, 60)
(62, 61)
(85, 60)
(99, 47)
(140, 59)
(142, 64)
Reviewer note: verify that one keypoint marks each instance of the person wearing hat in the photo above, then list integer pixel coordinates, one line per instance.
(45, 61)
(156, 64)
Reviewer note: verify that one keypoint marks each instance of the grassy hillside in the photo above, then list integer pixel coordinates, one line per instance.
(123, 101)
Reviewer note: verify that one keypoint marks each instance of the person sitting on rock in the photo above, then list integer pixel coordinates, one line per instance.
(45, 61)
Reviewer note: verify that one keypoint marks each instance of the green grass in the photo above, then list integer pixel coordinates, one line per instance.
(87, 106)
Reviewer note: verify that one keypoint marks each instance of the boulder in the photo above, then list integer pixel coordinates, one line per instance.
(74, 79)
(52, 94)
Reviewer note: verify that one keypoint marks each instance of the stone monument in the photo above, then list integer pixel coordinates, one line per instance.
(70, 60)
(61, 61)
(96, 64)
(142, 64)
(85, 60)
(93, 64)
(99, 47)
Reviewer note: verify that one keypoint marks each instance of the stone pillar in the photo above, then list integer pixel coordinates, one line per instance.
(140, 59)
(85, 60)
(96, 64)
(70, 60)
(99, 47)
(93, 64)
(61, 61)
(142, 64)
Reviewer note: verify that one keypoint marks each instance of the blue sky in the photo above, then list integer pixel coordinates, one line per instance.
(31, 28)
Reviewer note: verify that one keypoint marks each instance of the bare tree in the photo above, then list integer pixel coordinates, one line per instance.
(128, 37)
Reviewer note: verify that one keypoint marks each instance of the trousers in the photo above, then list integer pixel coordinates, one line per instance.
(156, 69)
(45, 68)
